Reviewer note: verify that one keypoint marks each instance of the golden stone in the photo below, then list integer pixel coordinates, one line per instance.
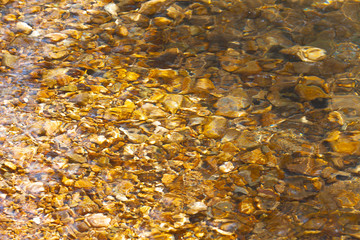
(83, 183)
(306, 53)
(168, 178)
(247, 206)
(215, 127)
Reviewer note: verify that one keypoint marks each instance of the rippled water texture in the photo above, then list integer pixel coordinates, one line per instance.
(164, 119)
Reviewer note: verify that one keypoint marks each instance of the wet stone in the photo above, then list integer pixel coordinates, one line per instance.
(196, 207)
(84, 183)
(250, 68)
(56, 37)
(298, 188)
(172, 102)
(9, 60)
(151, 7)
(226, 167)
(203, 85)
(121, 112)
(347, 104)
(255, 156)
(112, 8)
(215, 127)
(247, 139)
(306, 53)
(250, 173)
(98, 220)
(152, 111)
(310, 93)
(344, 194)
(35, 188)
(77, 158)
(23, 27)
(231, 106)
(306, 165)
(80, 99)
(343, 144)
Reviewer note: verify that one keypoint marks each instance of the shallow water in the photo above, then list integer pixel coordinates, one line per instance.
(179, 119)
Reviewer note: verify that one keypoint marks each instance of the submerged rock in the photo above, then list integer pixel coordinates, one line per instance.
(306, 53)
(215, 127)
(98, 220)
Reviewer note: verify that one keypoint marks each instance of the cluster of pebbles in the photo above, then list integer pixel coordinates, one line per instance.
(167, 119)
